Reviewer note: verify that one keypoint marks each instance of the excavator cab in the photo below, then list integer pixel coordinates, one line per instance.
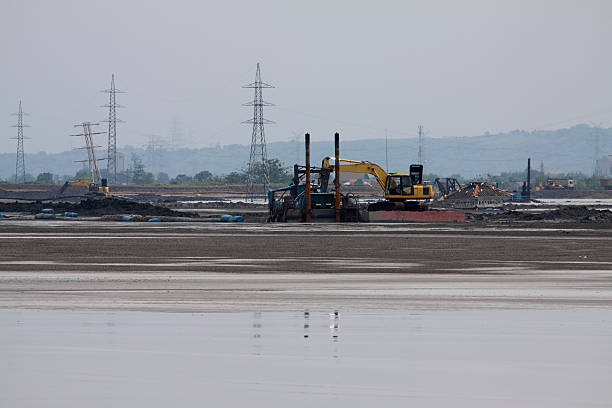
(401, 187)
(398, 185)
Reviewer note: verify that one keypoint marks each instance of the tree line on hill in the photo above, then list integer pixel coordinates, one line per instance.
(137, 174)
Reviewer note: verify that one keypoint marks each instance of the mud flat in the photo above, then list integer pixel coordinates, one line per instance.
(190, 267)
(296, 315)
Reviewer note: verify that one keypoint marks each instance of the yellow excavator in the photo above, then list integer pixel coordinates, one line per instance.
(401, 191)
(94, 189)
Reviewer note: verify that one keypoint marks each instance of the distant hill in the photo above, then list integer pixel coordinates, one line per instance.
(569, 150)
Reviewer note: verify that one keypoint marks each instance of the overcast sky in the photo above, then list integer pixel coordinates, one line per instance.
(456, 67)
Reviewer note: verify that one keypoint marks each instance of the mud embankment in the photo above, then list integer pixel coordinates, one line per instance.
(578, 213)
(96, 207)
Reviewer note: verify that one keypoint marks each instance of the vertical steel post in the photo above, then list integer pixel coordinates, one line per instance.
(337, 174)
(307, 186)
(529, 177)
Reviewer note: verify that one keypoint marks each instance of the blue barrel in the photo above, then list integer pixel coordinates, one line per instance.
(71, 214)
(238, 218)
(225, 218)
(126, 218)
(154, 219)
(0, 215)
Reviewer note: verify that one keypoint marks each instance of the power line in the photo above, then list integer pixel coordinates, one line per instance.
(258, 137)
(20, 162)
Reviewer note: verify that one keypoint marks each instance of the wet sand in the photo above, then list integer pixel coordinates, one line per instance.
(258, 267)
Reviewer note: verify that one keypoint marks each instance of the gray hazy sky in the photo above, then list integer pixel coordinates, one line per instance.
(457, 67)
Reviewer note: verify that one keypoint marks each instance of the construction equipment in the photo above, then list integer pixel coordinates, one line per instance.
(94, 189)
(445, 186)
(305, 201)
(290, 200)
(401, 191)
(96, 185)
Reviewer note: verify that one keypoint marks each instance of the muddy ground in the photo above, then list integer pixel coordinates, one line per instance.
(94, 207)
(242, 267)
(580, 215)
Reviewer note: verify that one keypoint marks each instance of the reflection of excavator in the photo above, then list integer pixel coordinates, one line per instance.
(401, 191)
(95, 189)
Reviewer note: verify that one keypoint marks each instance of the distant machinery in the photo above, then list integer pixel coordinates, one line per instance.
(258, 156)
(20, 162)
(445, 186)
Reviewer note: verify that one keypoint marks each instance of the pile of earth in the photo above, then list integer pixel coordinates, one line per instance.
(218, 204)
(96, 207)
(576, 213)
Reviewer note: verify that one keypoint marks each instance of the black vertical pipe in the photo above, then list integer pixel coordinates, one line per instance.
(529, 177)
(307, 186)
(337, 174)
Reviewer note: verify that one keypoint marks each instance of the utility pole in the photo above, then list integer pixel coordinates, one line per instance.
(386, 151)
(111, 156)
(258, 137)
(596, 128)
(94, 171)
(20, 162)
(420, 161)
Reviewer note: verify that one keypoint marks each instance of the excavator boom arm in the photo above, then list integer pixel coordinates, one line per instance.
(365, 168)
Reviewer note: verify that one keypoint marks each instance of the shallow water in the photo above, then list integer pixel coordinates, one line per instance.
(535, 358)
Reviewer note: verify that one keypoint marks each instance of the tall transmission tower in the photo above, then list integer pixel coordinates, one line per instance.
(94, 171)
(111, 156)
(20, 163)
(258, 137)
(420, 144)
(596, 130)
(176, 134)
(154, 152)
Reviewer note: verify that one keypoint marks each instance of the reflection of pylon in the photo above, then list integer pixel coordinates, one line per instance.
(258, 137)
(20, 163)
(94, 171)
(111, 157)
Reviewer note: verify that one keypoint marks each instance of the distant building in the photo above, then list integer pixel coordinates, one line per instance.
(603, 167)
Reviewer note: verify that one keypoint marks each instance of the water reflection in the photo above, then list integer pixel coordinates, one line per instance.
(256, 327)
(306, 324)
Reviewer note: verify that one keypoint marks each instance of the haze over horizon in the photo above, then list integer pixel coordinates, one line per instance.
(459, 69)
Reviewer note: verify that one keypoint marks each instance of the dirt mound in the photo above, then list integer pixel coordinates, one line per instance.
(218, 205)
(96, 207)
(576, 213)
